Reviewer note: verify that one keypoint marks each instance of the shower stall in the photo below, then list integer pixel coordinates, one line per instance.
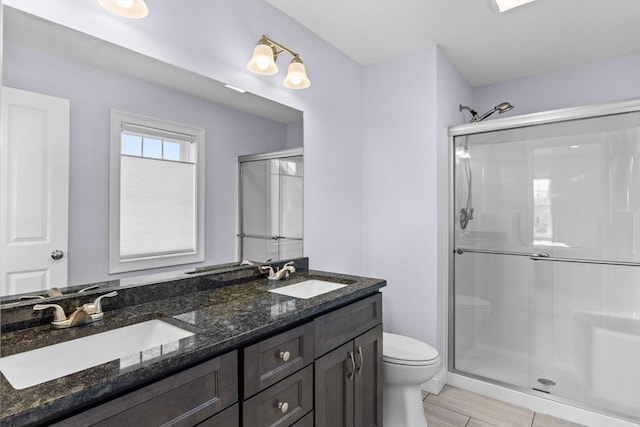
(544, 282)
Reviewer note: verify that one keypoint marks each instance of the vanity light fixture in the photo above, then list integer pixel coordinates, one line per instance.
(126, 8)
(264, 58)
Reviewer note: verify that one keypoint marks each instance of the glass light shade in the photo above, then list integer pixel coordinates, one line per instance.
(126, 8)
(297, 76)
(262, 61)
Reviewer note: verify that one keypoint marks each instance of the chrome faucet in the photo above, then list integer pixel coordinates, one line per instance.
(87, 313)
(282, 273)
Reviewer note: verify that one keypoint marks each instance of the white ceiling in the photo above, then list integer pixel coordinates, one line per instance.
(486, 46)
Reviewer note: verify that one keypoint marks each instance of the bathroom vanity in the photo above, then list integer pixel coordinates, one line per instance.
(253, 358)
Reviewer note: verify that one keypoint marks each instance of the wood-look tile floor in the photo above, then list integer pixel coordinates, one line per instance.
(455, 407)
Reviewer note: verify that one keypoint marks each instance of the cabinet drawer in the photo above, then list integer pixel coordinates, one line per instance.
(306, 421)
(339, 326)
(281, 404)
(275, 358)
(230, 417)
(184, 399)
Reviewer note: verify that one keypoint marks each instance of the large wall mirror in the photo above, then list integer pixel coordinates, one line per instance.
(96, 78)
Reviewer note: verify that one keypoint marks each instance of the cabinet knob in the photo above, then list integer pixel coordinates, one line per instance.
(283, 406)
(285, 355)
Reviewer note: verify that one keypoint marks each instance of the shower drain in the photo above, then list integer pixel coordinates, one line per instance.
(545, 382)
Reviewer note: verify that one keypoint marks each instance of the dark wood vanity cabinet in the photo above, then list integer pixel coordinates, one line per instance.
(348, 379)
(326, 372)
(333, 366)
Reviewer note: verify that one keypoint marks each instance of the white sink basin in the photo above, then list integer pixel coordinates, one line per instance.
(308, 289)
(37, 366)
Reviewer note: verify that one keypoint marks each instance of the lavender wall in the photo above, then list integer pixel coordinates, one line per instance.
(453, 90)
(603, 81)
(295, 132)
(93, 93)
(400, 166)
(216, 38)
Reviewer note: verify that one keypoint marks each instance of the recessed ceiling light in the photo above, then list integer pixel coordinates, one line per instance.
(504, 5)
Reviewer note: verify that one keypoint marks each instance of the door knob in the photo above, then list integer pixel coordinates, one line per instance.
(57, 254)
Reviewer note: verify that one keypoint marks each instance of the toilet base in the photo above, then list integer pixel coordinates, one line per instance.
(403, 406)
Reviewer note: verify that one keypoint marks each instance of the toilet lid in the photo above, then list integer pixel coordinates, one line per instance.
(407, 351)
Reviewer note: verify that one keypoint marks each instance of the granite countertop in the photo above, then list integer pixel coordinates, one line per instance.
(221, 318)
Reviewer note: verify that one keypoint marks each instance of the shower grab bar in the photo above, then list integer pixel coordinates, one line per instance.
(543, 256)
(587, 261)
(259, 236)
(540, 255)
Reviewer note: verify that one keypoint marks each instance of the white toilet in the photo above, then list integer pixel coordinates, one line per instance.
(406, 363)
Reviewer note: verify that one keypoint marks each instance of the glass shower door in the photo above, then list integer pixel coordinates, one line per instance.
(271, 206)
(547, 260)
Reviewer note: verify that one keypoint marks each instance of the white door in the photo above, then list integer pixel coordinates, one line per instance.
(34, 191)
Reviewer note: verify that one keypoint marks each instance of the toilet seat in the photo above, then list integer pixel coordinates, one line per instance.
(401, 350)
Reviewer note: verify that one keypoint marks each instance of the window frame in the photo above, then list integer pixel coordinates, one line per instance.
(117, 263)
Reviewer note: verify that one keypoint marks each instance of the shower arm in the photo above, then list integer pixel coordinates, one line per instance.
(474, 113)
(500, 108)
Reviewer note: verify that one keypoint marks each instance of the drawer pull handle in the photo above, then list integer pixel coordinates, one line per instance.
(353, 366)
(285, 355)
(283, 406)
(361, 360)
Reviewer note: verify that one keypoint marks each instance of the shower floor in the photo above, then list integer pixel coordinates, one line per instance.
(513, 369)
(497, 364)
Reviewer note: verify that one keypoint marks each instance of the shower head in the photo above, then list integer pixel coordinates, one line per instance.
(500, 108)
(503, 107)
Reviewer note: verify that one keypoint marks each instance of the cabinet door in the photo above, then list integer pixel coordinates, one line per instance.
(368, 379)
(334, 373)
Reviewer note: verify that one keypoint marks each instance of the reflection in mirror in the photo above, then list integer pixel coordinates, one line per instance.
(271, 205)
(93, 77)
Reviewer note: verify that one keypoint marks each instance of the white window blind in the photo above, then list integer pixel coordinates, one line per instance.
(157, 206)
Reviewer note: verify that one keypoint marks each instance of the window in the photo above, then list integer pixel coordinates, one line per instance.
(542, 224)
(157, 193)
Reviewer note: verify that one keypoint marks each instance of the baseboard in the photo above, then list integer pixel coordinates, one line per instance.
(435, 384)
